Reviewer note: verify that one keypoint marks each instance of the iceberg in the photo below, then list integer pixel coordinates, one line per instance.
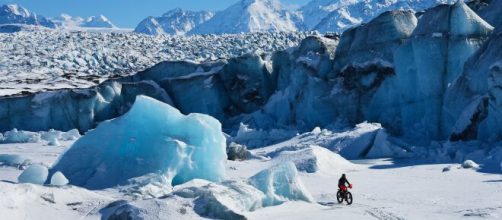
(152, 137)
(36, 174)
(280, 183)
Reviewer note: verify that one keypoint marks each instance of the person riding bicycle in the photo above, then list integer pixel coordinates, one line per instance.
(341, 183)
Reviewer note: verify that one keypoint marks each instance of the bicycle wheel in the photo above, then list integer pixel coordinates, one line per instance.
(339, 196)
(348, 198)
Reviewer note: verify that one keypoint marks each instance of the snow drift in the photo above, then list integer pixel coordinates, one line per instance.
(152, 137)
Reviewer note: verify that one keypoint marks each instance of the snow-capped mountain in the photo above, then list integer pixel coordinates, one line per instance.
(98, 22)
(15, 14)
(250, 16)
(316, 10)
(339, 15)
(65, 21)
(68, 21)
(175, 22)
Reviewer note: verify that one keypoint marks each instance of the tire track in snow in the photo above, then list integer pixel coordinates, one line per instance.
(380, 214)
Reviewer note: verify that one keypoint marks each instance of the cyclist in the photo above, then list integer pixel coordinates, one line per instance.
(341, 183)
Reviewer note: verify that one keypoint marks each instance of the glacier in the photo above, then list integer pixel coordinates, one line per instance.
(61, 52)
(326, 81)
(152, 137)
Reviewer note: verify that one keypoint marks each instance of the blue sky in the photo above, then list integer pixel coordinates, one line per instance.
(123, 13)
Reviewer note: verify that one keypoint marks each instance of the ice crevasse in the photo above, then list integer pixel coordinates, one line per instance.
(152, 137)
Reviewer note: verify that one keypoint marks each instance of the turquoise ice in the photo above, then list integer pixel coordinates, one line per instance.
(152, 137)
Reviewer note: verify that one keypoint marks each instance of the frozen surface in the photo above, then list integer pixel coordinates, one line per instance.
(152, 137)
(373, 197)
(36, 174)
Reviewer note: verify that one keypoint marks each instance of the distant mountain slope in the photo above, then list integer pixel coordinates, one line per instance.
(174, 22)
(250, 16)
(15, 14)
(98, 22)
(65, 21)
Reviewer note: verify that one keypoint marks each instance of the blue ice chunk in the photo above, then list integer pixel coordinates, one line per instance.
(15, 136)
(58, 179)
(12, 160)
(280, 183)
(152, 137)
(36, 174)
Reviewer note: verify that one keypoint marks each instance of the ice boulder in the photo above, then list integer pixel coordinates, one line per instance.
(237, 152)
(36, 174)
(58, 179)
(469, 164)
(152, 137)
(228, 200)
(148, 186)
(280, 183)
(316, 158)
(52, 137)
(70, 135)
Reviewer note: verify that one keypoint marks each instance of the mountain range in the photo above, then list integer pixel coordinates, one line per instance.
(174, 22)
(271, 15)
(13, 14)
(242, 17)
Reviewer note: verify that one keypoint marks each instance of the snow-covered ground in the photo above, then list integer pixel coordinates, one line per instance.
(45, 59)
(383, 189)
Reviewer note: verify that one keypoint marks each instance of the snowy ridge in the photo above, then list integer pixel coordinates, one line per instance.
(65, 21)
(15, 14)
(98, 21)
(250, 16)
